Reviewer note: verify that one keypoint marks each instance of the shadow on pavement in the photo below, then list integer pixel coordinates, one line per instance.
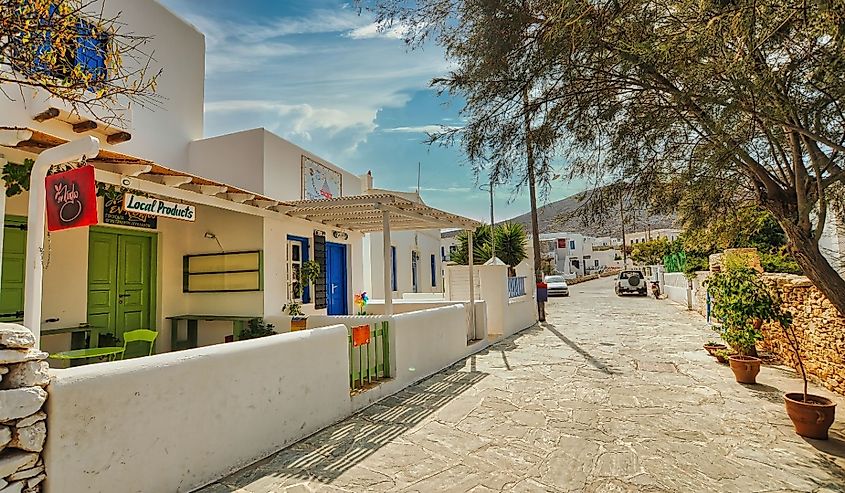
(327, 454)
(599, 365)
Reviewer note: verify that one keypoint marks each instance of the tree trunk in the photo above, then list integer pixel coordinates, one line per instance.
(816, 267)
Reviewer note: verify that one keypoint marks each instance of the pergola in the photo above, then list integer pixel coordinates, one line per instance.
(385, 212)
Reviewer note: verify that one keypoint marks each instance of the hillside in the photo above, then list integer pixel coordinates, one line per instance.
(566, 215)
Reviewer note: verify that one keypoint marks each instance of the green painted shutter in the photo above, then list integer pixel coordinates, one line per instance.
(13, 270)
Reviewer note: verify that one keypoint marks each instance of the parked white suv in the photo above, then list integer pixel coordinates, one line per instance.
(631, 281)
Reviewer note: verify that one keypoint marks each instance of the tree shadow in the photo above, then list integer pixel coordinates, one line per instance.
(834, 445)
(596, 363)
(329, 453)
(765, 392)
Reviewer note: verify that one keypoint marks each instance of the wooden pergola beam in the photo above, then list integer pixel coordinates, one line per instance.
(84, 126)
(47, 114)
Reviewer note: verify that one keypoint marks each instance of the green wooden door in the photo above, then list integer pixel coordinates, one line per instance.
(13, 270)
(120, 284)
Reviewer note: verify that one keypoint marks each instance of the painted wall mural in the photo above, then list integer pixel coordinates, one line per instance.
(320, 182)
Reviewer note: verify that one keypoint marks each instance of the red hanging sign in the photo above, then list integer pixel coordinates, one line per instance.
(360, 335)
(71, 199)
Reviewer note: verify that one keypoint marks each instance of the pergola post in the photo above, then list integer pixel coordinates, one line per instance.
(471, 262)
(388, 263)
(2, 216)
(69, 151)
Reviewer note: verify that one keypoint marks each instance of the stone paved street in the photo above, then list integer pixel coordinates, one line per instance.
(613, 395)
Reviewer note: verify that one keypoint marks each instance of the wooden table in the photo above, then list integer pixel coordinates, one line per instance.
(238, 324)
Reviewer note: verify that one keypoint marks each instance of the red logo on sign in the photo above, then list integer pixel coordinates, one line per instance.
(360, 335)
(71, 199)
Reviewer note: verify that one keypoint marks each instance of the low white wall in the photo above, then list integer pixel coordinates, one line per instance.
(675, 286)
(176, 421)
(376, 307)
(520, 314)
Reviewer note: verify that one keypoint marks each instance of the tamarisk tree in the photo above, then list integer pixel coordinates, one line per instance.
(720, 101)
(74, 51)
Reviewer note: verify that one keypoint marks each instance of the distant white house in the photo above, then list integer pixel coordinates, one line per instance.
(653, 234)
(574, 255)
(448, 244)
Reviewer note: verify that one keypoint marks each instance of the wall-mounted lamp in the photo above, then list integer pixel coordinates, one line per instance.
(211, 236)
(340, 235)
(317, 232)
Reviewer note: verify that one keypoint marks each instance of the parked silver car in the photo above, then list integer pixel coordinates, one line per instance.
(557, 285)
(631, 281)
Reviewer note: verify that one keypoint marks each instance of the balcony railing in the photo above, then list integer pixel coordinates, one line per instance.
(516, 287)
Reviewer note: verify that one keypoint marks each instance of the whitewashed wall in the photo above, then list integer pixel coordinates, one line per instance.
(177, 421)
(197, 415)
(425, 242)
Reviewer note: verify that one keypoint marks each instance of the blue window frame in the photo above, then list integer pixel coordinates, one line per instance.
(572, 244)
(305, 249)
(433, 272)
(393, 283)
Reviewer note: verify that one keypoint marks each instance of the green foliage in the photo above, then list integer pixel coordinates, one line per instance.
(781, 262)
(16, 177)
(742, 302)
(40, 46)
(743, 227)
(308, 274)
(511, 240)
(650, 252)
(257, 328)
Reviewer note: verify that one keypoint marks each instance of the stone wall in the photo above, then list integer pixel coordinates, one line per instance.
(819, 327)
(23, 376)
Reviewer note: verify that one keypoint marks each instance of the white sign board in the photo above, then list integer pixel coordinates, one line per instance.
(319, 182)
(157, 207)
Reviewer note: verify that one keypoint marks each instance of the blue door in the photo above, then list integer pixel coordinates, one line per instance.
(336, 279)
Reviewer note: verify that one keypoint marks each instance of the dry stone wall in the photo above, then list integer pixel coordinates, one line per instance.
(23, 377)
(819, 327)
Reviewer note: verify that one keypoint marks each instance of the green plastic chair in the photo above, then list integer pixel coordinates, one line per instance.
(140, 335)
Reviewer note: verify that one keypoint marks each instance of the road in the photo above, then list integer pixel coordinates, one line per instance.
(612, 395)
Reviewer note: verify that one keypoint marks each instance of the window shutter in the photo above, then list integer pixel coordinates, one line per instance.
(320, 300)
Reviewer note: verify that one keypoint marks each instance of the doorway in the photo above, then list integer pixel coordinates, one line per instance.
(121, 284)
(336, 294)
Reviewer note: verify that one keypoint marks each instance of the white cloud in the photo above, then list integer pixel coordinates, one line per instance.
(377, 30)
(422, 129)
(443, 189)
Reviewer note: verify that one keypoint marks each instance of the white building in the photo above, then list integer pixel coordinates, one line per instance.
(448, 244)
(255, 216)
(575, 255)
(415, 259)
(653, 234)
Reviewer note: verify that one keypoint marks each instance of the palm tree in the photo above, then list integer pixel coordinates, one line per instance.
(510, 245)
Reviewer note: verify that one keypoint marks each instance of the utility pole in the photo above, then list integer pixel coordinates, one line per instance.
(532, 188)
(624, 241)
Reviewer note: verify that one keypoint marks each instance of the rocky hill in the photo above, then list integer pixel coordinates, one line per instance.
(569, 215)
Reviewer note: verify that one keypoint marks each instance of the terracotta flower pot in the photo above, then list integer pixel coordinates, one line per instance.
(712, 348)
(745, 368)
(298, 323)
(811, 419)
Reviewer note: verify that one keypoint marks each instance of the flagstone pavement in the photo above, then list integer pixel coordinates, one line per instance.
(612, 395)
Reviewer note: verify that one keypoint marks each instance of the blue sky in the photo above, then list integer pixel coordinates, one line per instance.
(322, 76)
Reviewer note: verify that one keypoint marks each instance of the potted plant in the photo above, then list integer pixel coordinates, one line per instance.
(256, 328)
(308, 274)
(711, 347)
(722, 356)
(811, 415)
(742, 302)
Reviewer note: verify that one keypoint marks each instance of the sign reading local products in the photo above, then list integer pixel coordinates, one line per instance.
(156, 207)
(113, 213)
(71, 199)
